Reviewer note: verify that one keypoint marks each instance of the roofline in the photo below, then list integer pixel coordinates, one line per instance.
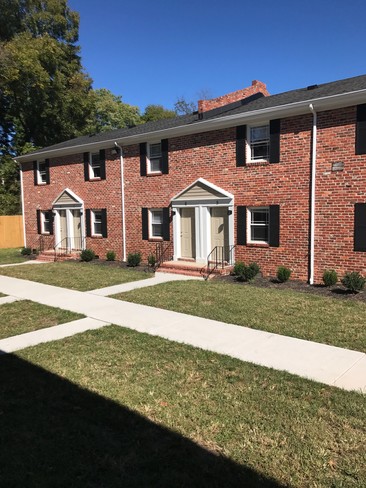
(261, 115)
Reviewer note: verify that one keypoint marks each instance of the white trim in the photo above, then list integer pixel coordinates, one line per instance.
(43, 219)
(208, 185)
(39, 178)
(312, 197)
(255, 116)
(148, 159)
(248, 143)
(150, 222)
(72, 195)
(92, 218)
(249, 224)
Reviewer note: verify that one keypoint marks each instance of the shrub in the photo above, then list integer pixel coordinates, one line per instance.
(133, 259)
(238, 268)
(151, 259)
(111, 256)
(26, 251)
(283, 274)
(247, 273)
(353, 281)
(330, 277)
(87, 255)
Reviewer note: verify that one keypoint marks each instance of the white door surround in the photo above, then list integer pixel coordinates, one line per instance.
(69, 206)
(202, 196)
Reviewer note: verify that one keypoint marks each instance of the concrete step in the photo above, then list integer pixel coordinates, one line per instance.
(189, 268)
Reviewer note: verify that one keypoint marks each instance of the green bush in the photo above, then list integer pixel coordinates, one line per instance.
(111, 256)
(151, 259)
(330, 277)
(133, 259)
(283, 274)
(353, 281)
(87, 255)
(238, 268)
(26, 251)
(247, 273)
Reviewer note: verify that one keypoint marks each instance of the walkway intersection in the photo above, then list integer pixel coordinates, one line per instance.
(326, 364)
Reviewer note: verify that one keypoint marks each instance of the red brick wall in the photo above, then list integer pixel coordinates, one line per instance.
(211, 155)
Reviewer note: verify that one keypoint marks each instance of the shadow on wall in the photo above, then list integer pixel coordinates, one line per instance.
(55, 434)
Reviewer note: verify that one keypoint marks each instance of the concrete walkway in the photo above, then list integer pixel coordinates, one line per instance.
(326, 364)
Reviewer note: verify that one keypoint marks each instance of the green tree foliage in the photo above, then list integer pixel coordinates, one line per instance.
(9, 187)
(157, 112)
(109, 112)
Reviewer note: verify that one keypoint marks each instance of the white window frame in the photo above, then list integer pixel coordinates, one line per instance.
(151, 235)
(250, 211)
(43, 222)
(91, 168)
(95, 221)
(149, 170)
(41, 174)
(250, 143)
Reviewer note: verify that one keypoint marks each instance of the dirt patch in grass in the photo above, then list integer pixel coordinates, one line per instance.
(278, 310)
(25, 316)
(116, 408)
(77, 275)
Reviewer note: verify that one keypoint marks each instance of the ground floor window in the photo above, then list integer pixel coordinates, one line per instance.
(96, 222)
(46, 218)
(258, 224)
(156, 223)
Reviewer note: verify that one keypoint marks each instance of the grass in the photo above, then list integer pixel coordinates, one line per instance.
(25, 316)
(76, 276)
(327, 320)
(115, 408)
(12, 256)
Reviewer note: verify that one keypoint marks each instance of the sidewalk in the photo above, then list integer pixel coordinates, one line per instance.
(326, 364)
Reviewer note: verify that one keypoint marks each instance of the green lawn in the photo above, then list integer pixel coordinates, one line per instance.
(75, 275)
(113, 407)
(12, 256)
(25, 316)
(306, 316)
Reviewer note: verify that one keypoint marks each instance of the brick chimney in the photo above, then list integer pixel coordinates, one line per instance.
(256, 87)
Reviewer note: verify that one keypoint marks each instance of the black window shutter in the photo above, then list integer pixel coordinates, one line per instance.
(145, 224)
(143, 148)
(164, 156)
(47, 168)
(39, 228)
(50, 217)
(35, 172)
(241, 132)
(274, 225)
(88, 222)
(360, 227)
(361, 129)
(274, 140)
(241, 226)
(166, 224)
(102, 163)
(86, 166)
(104, 222)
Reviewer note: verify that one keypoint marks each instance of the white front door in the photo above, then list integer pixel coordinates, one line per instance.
(188, 234)
(220, 231)
(69, 229)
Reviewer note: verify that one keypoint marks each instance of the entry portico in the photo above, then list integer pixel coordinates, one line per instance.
(203, 218)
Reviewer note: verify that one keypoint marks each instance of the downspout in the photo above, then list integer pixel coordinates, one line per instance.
(312, 195)
(22, 198)
(124, 258)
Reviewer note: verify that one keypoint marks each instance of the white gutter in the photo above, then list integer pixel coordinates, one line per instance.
(289, 109)
(312, 195)
(123, 202)
(22, 198)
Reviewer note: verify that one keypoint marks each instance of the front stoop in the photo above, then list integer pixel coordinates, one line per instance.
(189, 268)
(49, 256)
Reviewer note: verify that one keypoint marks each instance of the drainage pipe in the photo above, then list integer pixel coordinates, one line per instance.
(124, 258)
(312, 195)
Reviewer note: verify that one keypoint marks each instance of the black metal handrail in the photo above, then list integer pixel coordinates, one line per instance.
(67, 245)
(163, 253)
(220, 256)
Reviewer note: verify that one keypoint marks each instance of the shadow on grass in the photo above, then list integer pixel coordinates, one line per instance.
(56, 434)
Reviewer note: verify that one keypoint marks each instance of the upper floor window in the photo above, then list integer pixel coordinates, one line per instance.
(258, 225)
(154, 158)
(41, 171)
(258, 141)
(95, 166)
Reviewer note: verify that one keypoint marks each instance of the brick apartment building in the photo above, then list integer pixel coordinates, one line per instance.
(279, 180)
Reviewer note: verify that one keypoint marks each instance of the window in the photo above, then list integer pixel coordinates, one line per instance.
(41, 173)
(96, 222)
(258, 141)
(46, 222)
(156, 223)
(95, 166)
(155, 158)
(258, 229)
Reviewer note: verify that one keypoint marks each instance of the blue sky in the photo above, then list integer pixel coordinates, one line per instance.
(155, 51)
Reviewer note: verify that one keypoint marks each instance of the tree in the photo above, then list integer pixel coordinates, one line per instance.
(183, 107)
(157, 112)
(109, 112)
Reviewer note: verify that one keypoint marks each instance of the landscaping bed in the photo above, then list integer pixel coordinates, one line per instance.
(26, 316)
(77, 275)
(115, 408)
(272, 308)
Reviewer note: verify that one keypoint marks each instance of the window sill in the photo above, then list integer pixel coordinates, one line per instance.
(42, 184)
(156, 173)
(258, 244)
(45, 234)
(97, 236)
(155, 239)
(95, 179)
(258, 162)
